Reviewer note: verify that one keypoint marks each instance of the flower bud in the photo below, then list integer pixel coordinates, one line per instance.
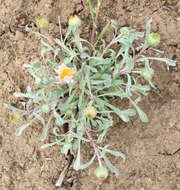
(101, 172)
(147, 75)
(46, 108)
(124, 31)
(153, 39)
(90, 112)
(42, 22)
(15, 117)
(74, 21)
(38, 81)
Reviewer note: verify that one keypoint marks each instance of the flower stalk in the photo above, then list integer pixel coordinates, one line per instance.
(94, 145)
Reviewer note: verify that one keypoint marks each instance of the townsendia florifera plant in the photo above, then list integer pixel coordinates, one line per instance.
(76, 80)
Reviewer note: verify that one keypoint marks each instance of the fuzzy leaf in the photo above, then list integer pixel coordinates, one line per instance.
(111, 167)
(44, 133)
(20, 129)
(13, 108)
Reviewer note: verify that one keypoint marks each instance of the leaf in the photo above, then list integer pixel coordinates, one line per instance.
(56, 52)
(101, 136)
(112, 94)
(114, 25)
(123, 114)
(59, 120)
(22, 95)
(99, 61)
(128, 86)
(36, 33)
(111, 167)
(39, 118)
(44, 50)
(13, 108)
(84, 55)
(141, 88)
(46, 44)
(27, 66)
(91, 10)
(44, 133)
(65, 48)
(148, 30)
(76, 165)
(76, 135)
(142, 115)
(83, 166)
(115, 153)
(94, 70)
(168, 61)
(20, 129)
(55, 132)
(101, 35)
(50, 144)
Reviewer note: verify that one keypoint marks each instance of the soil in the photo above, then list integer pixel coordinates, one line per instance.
(152, 150)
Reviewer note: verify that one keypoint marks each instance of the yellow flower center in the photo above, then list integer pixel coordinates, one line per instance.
(66, 72)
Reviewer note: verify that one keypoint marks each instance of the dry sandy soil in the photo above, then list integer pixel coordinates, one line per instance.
(152, 149)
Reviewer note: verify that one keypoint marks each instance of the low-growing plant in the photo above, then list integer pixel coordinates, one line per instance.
(76, 79)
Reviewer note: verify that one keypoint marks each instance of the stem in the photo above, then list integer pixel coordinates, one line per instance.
(95, 23)
(140, 53)
(124, 71)
(94, 145)
(60, 30)
(51, 41)
(110, 44)
(78, 41)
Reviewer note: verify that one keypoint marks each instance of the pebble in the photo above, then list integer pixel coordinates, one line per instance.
(19, 36)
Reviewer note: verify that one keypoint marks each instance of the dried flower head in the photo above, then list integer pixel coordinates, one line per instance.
(90, 112)
(74, 21)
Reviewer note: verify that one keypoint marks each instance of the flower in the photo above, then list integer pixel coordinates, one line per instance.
(65, 74)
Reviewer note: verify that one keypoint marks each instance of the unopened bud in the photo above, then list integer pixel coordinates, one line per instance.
(38, 81)
(153, 39)
(90, 112)
(147, 74)
(124, 31)
(15, 117)
(101, 172)
(46, 108)
(42, 22)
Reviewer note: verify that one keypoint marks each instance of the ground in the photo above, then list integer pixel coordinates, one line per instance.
(152, 149)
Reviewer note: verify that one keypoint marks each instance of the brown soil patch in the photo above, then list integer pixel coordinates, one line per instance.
(152, 149)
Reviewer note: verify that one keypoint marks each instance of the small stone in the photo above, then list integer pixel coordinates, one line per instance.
(2, 44)
(19, 36)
